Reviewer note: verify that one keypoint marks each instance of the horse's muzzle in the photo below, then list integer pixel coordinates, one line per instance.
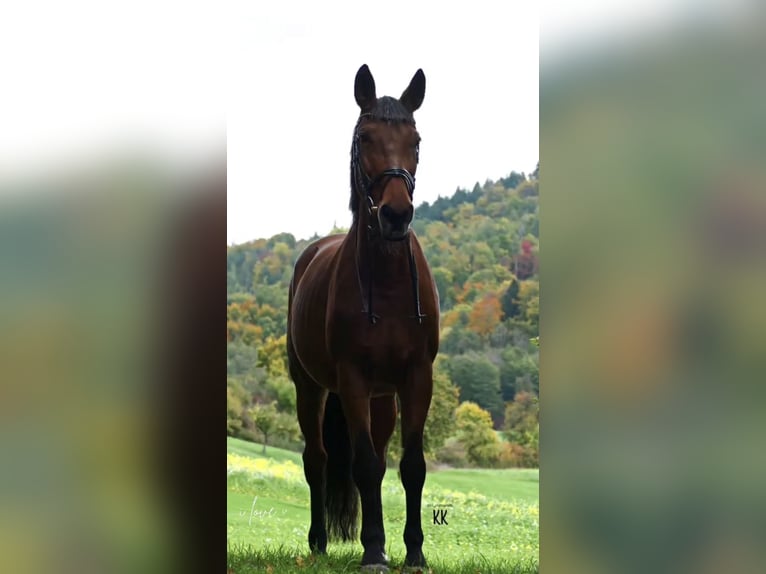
(394, 225)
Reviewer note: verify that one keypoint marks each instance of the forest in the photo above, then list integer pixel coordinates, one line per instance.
(483, 249)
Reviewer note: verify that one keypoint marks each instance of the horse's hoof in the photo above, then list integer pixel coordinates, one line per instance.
(374, 568)
(415, 563)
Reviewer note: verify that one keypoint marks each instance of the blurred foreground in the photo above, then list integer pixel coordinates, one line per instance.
(653, 186)
(112, 276)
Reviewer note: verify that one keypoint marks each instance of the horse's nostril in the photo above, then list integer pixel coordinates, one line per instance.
(396, 217)
(387, 212)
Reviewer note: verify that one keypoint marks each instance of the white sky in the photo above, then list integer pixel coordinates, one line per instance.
(274, 80)
(291, 111)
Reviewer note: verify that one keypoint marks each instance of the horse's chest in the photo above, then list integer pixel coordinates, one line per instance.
(386, 348)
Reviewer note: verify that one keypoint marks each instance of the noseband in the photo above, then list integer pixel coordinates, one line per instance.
(364, 182)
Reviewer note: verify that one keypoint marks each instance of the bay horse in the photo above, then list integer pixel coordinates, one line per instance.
(363, 327)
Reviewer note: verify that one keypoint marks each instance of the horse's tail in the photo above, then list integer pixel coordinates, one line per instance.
(341, 495)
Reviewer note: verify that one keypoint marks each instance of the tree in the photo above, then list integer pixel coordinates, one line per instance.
(444, 280)
(235, 398)
(513, 180)
(522, 428)
(457, 340)
(510, 301)
(241, 360)
(474, 425)
(519, 371)
(522, 419)
(478, 380)
(440, 423)
(269, 422)
(281, 389)
(485, 315)
(525, 263)
(287, 426)
(265, 418)
(272, 355)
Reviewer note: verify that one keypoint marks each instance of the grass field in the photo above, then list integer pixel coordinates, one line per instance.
(492, 518)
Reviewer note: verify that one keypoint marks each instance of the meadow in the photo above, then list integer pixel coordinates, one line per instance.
(492, 518)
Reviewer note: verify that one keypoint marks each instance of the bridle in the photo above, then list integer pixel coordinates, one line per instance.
(365, 183)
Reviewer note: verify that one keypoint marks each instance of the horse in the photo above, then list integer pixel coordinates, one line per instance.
(363, 329)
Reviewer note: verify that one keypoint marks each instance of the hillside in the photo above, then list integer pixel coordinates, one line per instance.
(483, 248)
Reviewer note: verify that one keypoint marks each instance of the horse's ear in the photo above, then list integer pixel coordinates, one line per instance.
(364, 89)
(413, 96)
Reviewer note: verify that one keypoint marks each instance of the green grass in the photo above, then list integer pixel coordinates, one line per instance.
(245, 448)
(492, 521)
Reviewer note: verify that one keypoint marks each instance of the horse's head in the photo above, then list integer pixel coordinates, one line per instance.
(384, 155)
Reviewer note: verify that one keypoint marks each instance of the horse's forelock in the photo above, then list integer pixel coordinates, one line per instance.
(391, 110)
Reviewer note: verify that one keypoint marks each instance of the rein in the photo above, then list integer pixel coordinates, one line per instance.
(362, 181)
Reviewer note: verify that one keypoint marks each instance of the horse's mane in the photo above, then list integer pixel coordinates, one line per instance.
(387, 109)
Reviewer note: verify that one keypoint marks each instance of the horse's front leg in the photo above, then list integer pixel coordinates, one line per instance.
(310, 400)
(366, 468)
(415, 396)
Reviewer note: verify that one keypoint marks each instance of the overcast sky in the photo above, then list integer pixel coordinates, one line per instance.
(273, 81)
(292, 110)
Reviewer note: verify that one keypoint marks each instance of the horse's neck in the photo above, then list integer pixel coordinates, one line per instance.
(387, 260)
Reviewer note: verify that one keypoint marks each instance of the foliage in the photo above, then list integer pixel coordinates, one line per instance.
(440, 423)
(483, 248)
(475, 430)
(479, 381)
(269, 421)
(510, 301)
(452, 452)
(519, 371)
(235, 400)
(513, 455)
(522, 428)
(457, 341)
(273, 355)
(485, 315)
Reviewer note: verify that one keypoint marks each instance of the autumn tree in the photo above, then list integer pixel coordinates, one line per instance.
(485, 315)
(525, 263)
(272, 355)
(474, 426)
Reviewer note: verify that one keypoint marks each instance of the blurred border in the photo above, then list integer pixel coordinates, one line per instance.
(111, 318)
(653, 186)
